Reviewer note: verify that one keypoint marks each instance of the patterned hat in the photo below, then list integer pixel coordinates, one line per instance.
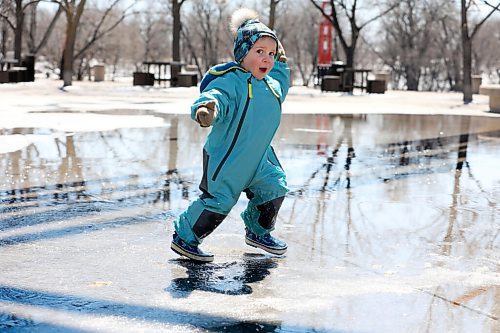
(246, 36)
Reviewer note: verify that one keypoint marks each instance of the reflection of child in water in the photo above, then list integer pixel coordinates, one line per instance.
(241, 100)
(228, 278)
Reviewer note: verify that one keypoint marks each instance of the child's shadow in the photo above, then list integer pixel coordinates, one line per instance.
(224, 278)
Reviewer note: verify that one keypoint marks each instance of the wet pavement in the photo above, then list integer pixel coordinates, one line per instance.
(392, 224)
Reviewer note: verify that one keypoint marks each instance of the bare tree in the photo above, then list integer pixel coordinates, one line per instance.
(301, 44)
(73, 10)
(467, 37)
(349, 10)
(15, 20)
(4, 8)
(177, 26)
(176, 37)
(207, 38)
(102, 27)
(486, 50)
(18, 30)
(105, 23)
(448, 44)
(150, 29)
(33, 46)
(409, 39)
(97, 23)
(126, 55)
(192, 51)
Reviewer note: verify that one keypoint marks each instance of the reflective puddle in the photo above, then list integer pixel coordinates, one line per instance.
(408, 202)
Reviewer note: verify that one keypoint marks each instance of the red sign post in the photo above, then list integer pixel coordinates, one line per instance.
(325, 37)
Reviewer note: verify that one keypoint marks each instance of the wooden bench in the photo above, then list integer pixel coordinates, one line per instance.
(493, 91)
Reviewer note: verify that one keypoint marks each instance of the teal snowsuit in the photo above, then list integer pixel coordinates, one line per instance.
(237, 156)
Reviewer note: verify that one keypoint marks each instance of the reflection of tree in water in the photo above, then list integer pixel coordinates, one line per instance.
(74, 181)
(457, 211)
(387, 167)
(331, 154)
(331, 173)
(16, 172)
(72, 178)
(70, 166)
(481, 295)
(225, 278)
(172, 176)
(461, 228)
(427, 155)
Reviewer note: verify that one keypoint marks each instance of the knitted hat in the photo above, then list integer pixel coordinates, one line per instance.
(248, 32)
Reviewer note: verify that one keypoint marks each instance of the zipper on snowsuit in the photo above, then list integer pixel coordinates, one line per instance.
(238, 129)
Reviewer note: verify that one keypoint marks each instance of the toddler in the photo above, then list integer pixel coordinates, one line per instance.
(241, 100)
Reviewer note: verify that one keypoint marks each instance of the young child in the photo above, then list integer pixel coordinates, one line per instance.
(241, 100)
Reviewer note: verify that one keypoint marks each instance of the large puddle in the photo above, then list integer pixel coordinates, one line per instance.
(384, 159)
(381, 195)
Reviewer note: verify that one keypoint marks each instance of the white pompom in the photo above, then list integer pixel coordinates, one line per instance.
(240, 16)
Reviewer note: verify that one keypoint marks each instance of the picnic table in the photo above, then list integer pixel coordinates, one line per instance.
(161, 72)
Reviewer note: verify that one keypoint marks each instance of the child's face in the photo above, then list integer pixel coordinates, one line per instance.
(260, 59)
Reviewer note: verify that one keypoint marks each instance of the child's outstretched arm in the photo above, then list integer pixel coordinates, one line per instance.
(213, 102)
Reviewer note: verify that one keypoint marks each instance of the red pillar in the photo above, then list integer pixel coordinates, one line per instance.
(325, 37)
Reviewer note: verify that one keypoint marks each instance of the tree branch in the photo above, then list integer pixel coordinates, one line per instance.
(492, 6)
(30, 3)
(333, 20)
(49, 30)
(6, 18)
(378, 16)
(378, 54)
(98, 35)
(103, 17)
(476, 28)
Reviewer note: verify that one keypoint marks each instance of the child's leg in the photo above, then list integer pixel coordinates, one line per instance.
(261, 218)
(266, 195)
(202, 217)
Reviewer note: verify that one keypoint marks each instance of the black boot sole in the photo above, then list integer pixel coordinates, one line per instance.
(265, 248)
(180, 251)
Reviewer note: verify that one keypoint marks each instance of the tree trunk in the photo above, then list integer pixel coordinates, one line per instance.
(47, 33)
(467, 74)
(272, 13)
(466, 57)
(412, 74)
(18, 38)
(5, 33)
(176, 33)
(176, 41)
(69, 48)
(32, 27)
(73, 15)
(348, 79)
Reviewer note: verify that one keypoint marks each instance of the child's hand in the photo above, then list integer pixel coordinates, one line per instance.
(205, 114)
(281, 53)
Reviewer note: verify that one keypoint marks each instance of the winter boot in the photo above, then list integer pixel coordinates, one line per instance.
(192, 252)
(266, 242)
